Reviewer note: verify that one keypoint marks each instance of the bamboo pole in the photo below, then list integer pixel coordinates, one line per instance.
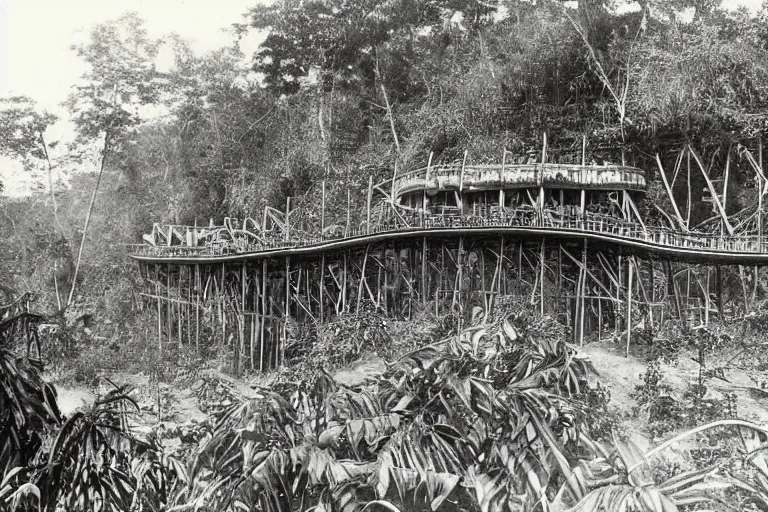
(368, 205)
(713, 192)
(287, 217)
(426, 184)
(282, 342)
(619, 285)
(362, 281)
(322, 288)
(582, 293)
(459, 273)
(502, 179)
(197, 307)
(541, 277)
(168, 302)
(461, 183)
(344, 284)
(629, 303)
(678, 215)
(424, 283)
(760, 191)
(688, 208)
(159, 311)
(263, 312)
(519, 266)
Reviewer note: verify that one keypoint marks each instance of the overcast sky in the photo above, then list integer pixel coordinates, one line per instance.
(36, 35)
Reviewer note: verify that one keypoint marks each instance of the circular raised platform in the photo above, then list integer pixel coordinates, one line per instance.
(517, 176)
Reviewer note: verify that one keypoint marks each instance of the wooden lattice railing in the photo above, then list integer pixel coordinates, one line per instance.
(190, 242)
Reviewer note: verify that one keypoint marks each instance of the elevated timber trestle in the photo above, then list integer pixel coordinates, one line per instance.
(568, 238)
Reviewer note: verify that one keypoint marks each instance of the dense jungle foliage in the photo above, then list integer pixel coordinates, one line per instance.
(343, 90)
(501, 415)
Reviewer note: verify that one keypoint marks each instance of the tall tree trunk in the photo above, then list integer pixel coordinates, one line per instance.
(88, 218)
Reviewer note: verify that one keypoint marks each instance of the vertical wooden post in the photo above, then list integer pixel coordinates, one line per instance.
(620, 275)
(263, 312)
(282, 342)
(392, 188)
(541, 184)
(159, 310)
(368, 205)
(168, 302)
(222, 298)
(760, 188)
(688, 206)
(461, 183)
(599, 319)
(501, 182)
(707, 298)
(344, 285)
(582, 293)
(197, 307)
(629, 303)
(426, 184)
(541, 277)
(362, 280)
(243, 316)
(322, 288)
(519, 266)
(424, 283)
(584, 150)
(459, 273)
(719, 284)
(760, 192)
(287, 222)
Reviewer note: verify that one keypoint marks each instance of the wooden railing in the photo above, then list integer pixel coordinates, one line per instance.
(549, 220)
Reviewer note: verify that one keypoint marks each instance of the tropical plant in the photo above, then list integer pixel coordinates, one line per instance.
(28, 411)
(490, 409)
(623, 479)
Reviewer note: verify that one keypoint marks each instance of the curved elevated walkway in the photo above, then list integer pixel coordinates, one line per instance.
(666, 243)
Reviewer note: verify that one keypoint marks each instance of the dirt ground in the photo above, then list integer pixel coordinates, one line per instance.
(179, 405)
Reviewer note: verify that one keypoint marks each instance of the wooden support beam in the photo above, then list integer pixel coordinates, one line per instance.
(424, 283)
(633, 208)
(678, 216)
(368, 206)
(629, 303)
(321, 291)
(581, 293)
(263, 297)
(541, 277)
(719, 284)
(690, 202)
(713, 192)
(362, 281)
(582, 266)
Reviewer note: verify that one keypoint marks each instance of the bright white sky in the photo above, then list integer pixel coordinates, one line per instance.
(36, 59)
(36, 35)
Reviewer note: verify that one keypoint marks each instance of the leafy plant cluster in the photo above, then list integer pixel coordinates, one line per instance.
(666, 410)
(492, 418)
